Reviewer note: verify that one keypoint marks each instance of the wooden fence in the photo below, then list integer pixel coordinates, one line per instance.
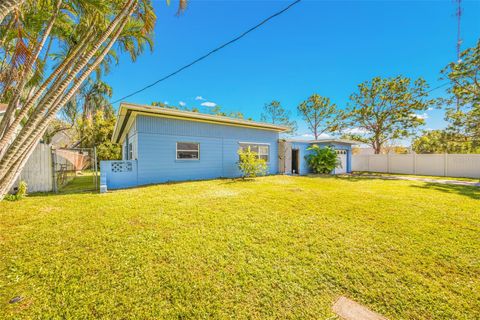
(47, 170)
(38, 171)
(448, 165)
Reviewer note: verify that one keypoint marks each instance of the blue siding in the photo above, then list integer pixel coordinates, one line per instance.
(156, 143)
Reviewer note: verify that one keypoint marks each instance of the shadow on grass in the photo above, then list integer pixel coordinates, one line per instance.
(237, 180)
(468, 191)
(78, 185)
(345, 177)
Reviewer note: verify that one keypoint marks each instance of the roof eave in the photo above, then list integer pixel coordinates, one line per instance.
(186, 115)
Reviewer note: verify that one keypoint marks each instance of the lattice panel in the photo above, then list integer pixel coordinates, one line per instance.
(121, 166)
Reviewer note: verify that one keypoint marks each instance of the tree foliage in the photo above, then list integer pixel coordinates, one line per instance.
(322, 160)
(463, 105)
(443, 141)
(48, 49)
(319, 114)
(386, 109)
(217, 110)
(250, 164)
(97, 132)
(275, 113)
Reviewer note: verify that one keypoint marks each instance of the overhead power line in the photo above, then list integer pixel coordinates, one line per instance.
(438, 87)
(210, 52)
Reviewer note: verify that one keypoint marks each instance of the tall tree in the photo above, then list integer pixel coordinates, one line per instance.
(463, 106)
(386, 109)
(6, 6)
(319, 114)
(91, 29)
(274, 112)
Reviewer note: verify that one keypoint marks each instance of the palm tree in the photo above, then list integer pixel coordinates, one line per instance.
(7, 6)
(25, 75)
(90, 39)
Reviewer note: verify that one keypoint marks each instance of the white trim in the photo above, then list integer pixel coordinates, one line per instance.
(130, 150)
(250, 142)
(187, 159)
(324, 141)
(260, 145)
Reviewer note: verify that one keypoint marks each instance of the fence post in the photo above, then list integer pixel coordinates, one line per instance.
(415, 163)
(388, 162)
(445, 164)
(54, 171)
(95, 166)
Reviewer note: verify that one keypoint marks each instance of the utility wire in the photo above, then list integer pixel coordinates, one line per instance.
(211, 52)
(438, 87)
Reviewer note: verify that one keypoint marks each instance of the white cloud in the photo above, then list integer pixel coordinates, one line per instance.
(430, 109)
(310, 136)
(166, 102)
(182, 104)
(208, 104)
(199, 98)
(355, 131)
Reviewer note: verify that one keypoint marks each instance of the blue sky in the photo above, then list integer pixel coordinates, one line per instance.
(316, 47)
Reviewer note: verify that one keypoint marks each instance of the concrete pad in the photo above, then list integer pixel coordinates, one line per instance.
(429, 180)
(350, 310)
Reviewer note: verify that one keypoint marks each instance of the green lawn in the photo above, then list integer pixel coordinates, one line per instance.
(278, 247)
(81, 183)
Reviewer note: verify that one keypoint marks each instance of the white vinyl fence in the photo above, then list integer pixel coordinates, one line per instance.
(448, 165)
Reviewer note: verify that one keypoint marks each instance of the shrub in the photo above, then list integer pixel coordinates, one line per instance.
(21, 192)
(250, 164)
(322, 160)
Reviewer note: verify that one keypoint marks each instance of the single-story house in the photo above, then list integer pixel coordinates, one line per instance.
(161, 145)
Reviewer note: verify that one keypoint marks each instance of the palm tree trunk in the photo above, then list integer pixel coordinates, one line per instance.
(62, 68)
(8, 5)
(8, 181)
(37, 116)
(8, 177)
(12, 106)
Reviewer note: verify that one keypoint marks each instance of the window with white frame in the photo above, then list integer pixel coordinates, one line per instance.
(262, 150)
(130, 151)
(188, 151)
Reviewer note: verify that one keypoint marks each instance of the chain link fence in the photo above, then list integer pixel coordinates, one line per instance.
(75, 170)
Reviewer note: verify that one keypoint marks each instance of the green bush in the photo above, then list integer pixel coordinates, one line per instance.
(250, 164)
(322, 160)
(21, 192)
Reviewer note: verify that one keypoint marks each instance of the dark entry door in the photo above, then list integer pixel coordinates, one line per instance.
(295, 161)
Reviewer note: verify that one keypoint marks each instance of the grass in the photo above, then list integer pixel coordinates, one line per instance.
(380, 174)
(276, 247)
(81, 183)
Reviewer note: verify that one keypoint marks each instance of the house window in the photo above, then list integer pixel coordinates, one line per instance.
(130, 151)
(262, 150)
(188, 151)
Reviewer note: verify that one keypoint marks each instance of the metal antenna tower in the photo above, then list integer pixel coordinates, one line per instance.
(458, 13)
